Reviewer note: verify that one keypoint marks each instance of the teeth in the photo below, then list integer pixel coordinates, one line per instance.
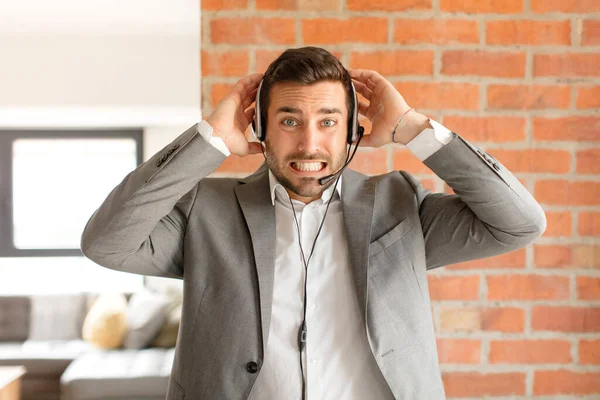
(308, 166)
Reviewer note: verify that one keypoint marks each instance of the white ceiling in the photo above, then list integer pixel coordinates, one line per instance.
(100, 16)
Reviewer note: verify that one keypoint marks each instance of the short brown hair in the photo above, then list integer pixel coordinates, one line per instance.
(306, 65)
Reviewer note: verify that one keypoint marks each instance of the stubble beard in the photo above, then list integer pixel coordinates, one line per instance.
(309, 186)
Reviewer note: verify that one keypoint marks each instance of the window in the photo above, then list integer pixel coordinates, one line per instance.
(52, 181)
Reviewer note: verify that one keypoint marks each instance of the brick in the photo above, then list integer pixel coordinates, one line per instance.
(482, 6)
(565, 382)
(225, 63)
(590, 35)
(386, 5)
(530, 352)
(589, 351)
(396, 62)
(528, 32)
(440, 95)
(588, 288)
(459, 351)
(565, 319)
(438, 31)
(566, 65)
(218, 91)
(567, 128)
(405, 160)
(586, 256)
(558, 224)
(527, 287)
(488, 129)
(589, 221)
(235, 164)
(350, 30)
(370, 161)
(588, 161)
(217, 5)
(299, 5)
(428, 184)
(453, 287)
(566, 256)
(253, 30)
(513, 259)
(476, 384)
(588, 97)
(528, 97)
(534, 160)
(569, 193)
(483, 63)
(566, 6)
(492, 319)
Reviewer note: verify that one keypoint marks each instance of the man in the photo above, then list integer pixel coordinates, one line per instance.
(295, 287)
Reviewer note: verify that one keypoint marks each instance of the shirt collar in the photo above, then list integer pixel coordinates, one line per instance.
(277, 189)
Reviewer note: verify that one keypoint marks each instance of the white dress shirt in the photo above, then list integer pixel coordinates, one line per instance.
(338, 362)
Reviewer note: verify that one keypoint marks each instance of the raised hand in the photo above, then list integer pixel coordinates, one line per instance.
(232, 115)
(384, 109)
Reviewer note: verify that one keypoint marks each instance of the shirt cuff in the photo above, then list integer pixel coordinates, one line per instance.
(430, 140)
(206, 131)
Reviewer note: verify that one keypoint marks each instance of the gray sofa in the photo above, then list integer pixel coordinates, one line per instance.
(43, 333)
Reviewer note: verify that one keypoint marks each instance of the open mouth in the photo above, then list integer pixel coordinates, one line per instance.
(308, 166)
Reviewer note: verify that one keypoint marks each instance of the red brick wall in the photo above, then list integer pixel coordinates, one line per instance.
(519, 78)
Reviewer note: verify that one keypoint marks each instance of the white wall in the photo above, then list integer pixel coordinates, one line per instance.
(96, 64)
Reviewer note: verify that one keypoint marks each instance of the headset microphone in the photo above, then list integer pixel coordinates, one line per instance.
(326, 179)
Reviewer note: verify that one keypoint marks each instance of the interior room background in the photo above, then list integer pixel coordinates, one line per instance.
(518, 78)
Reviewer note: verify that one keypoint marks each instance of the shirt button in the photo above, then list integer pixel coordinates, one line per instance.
(314, 360)
(312, 306)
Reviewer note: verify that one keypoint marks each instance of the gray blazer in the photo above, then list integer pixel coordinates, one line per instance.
(218, 234)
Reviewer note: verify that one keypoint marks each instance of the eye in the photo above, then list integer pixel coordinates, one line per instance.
(289, 122)
(329, 123)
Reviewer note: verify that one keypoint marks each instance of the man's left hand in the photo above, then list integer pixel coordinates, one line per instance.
(385, 108)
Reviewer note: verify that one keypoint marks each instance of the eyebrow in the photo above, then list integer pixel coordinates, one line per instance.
(292, 110)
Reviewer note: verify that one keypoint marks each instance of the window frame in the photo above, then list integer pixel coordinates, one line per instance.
(7, 138)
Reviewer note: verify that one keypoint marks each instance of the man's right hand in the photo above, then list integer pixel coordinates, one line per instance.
(231, 116)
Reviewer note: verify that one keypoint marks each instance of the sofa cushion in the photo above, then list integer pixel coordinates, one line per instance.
(146, 313)
(57, 317)
(14, 318)
(122, 374)
(42, 358)
(105, 323)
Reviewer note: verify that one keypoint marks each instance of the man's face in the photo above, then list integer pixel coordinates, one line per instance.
(307, 127)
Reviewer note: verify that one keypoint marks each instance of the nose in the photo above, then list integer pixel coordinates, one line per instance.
(309, 140)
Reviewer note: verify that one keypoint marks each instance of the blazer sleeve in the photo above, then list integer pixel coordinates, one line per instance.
(491, 212)
(140, 226)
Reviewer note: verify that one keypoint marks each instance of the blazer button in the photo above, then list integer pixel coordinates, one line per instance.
(496, 167)
(252, 367)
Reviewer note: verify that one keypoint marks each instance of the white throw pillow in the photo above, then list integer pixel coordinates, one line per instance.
(145, 315)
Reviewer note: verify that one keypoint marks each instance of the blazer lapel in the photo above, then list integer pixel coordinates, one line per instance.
(358, 194)
(255, 201)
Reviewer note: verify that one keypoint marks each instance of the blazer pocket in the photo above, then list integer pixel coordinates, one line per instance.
(175, 391)
(395, 234)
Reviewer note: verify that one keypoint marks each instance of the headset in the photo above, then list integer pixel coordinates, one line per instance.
(354, 129)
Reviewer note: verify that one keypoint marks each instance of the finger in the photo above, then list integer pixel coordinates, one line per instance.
(364, 75)
(254, 148)
(363, 89)
(244, 87)
(249, 99)
(363, 107)
(365, 141)
(249, 113)
(371, 85)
